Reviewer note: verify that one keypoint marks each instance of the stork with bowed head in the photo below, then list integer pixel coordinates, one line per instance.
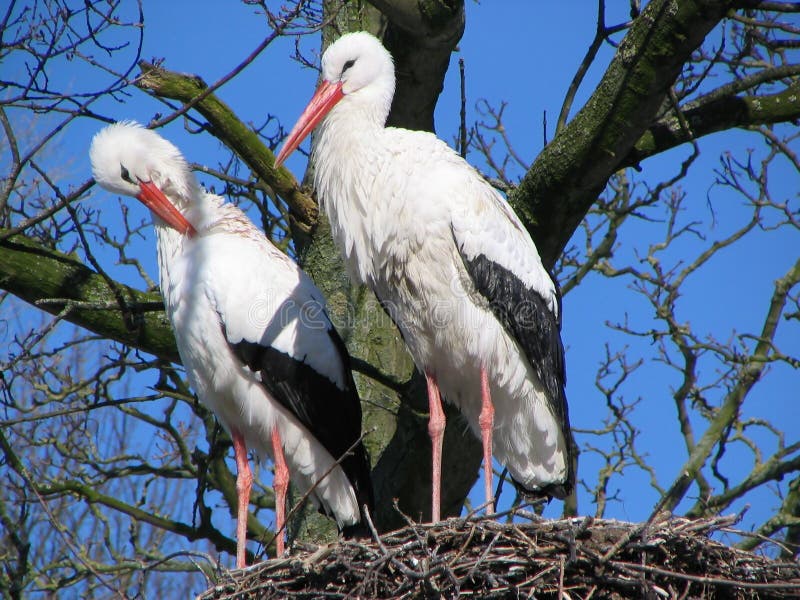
(451, 263)
(252, 332)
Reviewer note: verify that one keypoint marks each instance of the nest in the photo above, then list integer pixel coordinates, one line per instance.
(484, 558)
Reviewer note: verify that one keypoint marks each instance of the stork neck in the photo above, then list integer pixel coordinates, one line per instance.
(359, 115)
(350, 138)
(168, 239)
(348, 153)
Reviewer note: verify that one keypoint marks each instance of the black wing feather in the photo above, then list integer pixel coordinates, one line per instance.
(331, 414)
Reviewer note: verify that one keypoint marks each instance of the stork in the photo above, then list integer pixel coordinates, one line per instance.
(252, 332)
(452, 265)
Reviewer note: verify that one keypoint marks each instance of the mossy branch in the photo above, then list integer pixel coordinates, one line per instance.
(718, 115)
(573, 169)
(788, 518)
(236, 135)
(62, 285)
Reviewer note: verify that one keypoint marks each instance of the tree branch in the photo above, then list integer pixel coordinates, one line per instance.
(750, 373)
(573, 169)
(56, 282)
(236, 135)
(720, 114)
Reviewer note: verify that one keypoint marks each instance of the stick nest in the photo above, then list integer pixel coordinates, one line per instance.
(483, 558)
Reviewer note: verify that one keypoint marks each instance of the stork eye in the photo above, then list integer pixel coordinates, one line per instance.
(123, 172)
(347, 65)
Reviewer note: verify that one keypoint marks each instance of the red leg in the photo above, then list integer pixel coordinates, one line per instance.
(486, 422)
(280, 483)
(436, 424)
(244, 481)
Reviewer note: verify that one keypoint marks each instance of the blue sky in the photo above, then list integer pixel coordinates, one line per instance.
(528, 61)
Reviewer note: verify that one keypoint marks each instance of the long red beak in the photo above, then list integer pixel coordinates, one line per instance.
(154, 199)
(323, 100)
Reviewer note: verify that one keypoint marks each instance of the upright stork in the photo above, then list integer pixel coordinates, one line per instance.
(251, 330)
(451, 263)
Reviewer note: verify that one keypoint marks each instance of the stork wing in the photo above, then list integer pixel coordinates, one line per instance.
(505, 268)
(274, 320)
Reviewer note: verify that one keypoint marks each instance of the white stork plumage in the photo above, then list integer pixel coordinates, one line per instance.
(452, 265)
(251, 330)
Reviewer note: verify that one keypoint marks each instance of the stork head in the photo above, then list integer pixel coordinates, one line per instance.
(356, 71)
(131, 160)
